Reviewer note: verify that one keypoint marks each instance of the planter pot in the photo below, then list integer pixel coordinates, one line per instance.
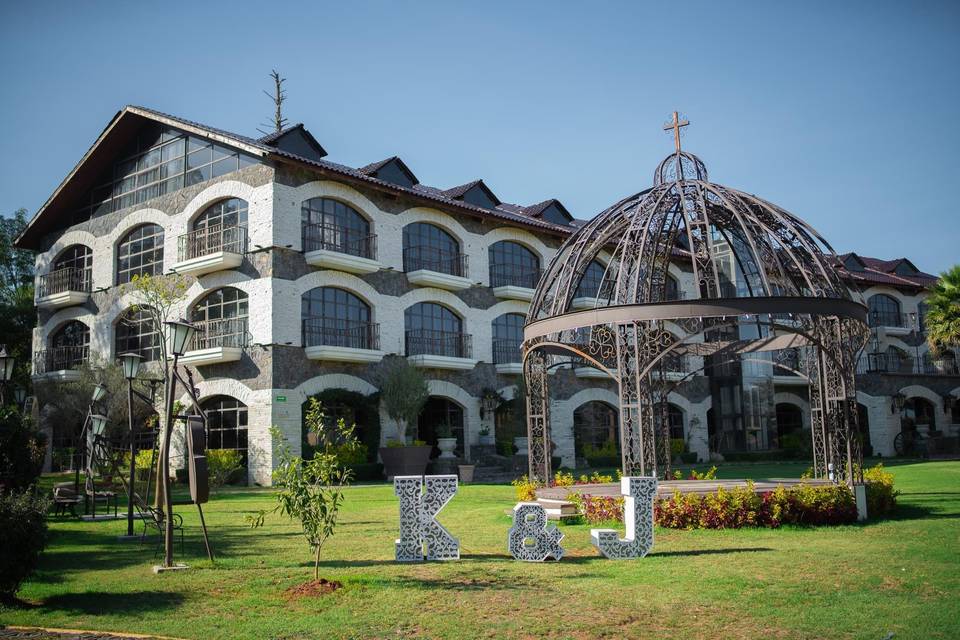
(487, 439)
(466, 473)
(521, 443)
(405, 461)
(447, 447)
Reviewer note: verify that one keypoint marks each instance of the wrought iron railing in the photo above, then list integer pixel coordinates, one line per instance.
(906, 365)
(513, 275)
(330, 237)
(336, 332)
(438, 343)
(225, 332)
(212, 239)
(892, 319)
(60, 359)
(61, 280)
(506, 351)
(416, 258)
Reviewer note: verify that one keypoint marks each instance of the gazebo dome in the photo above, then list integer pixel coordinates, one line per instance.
(738, 245)
(762, 294)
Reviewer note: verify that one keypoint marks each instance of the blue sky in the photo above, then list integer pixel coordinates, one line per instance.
(844, 113)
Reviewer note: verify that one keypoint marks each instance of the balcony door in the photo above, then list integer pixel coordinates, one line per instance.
(336, 317)
(427, 246)
(221, 319)
(334, 226)
(69, 347)
(512, 264)
(434, 329)
(221, 227)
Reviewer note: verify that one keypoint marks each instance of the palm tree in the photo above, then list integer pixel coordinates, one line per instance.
(943, 315)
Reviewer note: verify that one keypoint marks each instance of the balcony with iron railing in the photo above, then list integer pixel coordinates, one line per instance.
(332, 246)
(62, 363)
(893, 321)
(926, 365)
(217, 341)
(339, 340)
(439, 349)
(507, 357)
(513, 281)
(211, 248)
(63, 288)
(430, 267)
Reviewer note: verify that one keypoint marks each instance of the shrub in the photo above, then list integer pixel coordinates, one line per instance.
(223, 464)
(24, 526)
(881, 496)
(710, 474)
(21, 450)
(677, 446)
(525, 489)
(606, 455)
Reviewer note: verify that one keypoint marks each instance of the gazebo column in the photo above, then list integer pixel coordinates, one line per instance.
(638, 440)
(538, 415)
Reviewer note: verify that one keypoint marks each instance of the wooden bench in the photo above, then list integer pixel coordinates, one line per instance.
(64, 499)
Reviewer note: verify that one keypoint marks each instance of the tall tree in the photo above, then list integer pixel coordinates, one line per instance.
(943, 314)
(17, 315)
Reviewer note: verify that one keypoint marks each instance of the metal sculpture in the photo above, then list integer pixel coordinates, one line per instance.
(638, 497)
(765, 284)
(530, 539)
(421, 536)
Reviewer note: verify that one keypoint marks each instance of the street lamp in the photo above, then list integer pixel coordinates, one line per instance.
(20, 395)
(99, 392)
(131, 367)
(179, 334)
(98, 424)
(6, 370)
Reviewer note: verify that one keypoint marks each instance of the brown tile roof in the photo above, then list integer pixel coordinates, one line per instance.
(883, 272)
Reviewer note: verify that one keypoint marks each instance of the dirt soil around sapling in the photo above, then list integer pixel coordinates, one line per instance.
(313, 589)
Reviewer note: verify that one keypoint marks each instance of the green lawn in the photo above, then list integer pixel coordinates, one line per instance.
(899, 576)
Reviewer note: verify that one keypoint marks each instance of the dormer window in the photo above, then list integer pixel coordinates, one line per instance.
(475, 193)
(853, 263)
(392, 170)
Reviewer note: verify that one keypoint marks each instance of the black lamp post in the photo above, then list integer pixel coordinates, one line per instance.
(6, 372)
(131, 367)
(179, 333)
(98, 394)
(20, 396)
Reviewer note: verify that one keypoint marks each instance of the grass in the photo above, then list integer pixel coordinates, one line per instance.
(899, 576)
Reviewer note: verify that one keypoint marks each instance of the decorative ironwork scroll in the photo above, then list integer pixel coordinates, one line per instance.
(639, 494)
(421, 536)
(530, 539)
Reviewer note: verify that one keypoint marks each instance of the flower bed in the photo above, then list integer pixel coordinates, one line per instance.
(741, 507)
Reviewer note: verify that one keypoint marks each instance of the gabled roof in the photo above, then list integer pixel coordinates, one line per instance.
(457, 193)
(128, 120)
(382, 170)
(537, 210)
(295, 139)
(884, 272)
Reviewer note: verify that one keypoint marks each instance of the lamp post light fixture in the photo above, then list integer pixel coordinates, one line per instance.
(897, 402)
(6, 371)
(98, 424)
(180, 333)
(131, 368)
(20, 396)
(99, 393)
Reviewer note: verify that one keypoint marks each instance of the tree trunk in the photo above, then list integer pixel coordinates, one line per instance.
(316, 565)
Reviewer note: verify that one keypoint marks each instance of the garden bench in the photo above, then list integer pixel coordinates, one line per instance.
(95, 495)
(64, 499)
(154, 519)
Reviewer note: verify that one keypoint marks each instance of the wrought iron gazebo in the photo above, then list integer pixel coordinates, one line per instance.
(767, 296)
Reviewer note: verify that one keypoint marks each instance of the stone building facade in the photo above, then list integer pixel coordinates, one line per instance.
(308, 275)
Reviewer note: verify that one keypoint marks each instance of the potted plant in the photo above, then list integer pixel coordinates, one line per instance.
(466, 473)
(486, 438)
(446, 442)
(404, 391)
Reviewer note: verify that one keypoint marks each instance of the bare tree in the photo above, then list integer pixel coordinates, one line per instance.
(278, 97)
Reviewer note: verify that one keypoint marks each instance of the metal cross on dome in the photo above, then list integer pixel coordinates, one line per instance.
(676, 124)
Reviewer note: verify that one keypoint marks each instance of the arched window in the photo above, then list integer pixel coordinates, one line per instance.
(221, 319)
(72, 271)
(427, 246)
(140, 253)
(918, 412)
(136, 333)
(512, 264)
(591, 282)
(221, 227)
(226, 424)
(338, 318)
(334, 226)
(595, 430)
(789, 420)
(884, 311)
(69, 347)
(438, 417)
(671, 289)
(675, 422)
(433, 329)
(507, 336)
